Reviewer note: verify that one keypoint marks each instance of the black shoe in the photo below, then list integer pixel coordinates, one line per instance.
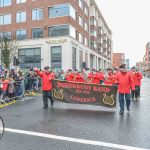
(52, 102)
(128, 109)
(45, 107)
(121, 112)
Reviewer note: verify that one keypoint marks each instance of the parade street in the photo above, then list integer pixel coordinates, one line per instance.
(76, 127)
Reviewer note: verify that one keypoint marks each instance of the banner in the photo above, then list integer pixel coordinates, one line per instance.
(82, 93)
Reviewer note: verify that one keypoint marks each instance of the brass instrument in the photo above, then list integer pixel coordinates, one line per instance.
(84, 76)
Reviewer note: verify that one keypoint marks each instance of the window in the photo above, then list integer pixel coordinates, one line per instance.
(62, 10)
(5, 19)
(91, 61)
(93, 33)
(21, 17)
(86, 41)
(5, 34)
(81, 4)
(93, 44)
(5, 3)
(37, 33)
(29, 57)
(37, 14)
(74, 54)
(80, 21)
(56, 57)
(86, 11)
(86, 26)
(80, 38)
(93, 21)
(72, 12)
(80, 59)
(20, 1)
(86, 58)
(21, 34)
(59, 10)
(62, 30)
(58, 30)
(72, 32)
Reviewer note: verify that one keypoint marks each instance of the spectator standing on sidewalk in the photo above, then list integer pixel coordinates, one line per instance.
(11, 89)
(46, 77)
(1, 87)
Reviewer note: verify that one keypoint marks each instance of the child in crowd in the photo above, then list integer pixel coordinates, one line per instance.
(1, 91)
(11, 89)
(5, 87)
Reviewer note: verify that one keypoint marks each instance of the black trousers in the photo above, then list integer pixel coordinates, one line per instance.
(137, 91)
(47, 95)
(133, 94)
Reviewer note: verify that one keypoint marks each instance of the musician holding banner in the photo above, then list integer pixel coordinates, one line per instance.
(110, 78)
(94, 77)
(101, 76)
(70, 75)
(79, 77)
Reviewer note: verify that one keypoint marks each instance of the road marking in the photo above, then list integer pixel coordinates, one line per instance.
(75, 140)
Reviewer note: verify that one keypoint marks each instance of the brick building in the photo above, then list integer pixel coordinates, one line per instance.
(57, 33)
(118, 59)
(147, 57)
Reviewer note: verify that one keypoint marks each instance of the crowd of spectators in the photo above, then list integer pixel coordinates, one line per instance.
(15, 83)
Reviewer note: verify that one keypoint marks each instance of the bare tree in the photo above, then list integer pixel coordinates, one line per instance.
(8, 48)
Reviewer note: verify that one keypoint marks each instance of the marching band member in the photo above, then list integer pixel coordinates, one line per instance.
(94, 77)
(138, 84)
(124, 83)
(70, 76)
(109, 79)
(47, 77)
(133, 75)
(101, 76)
(79, 77)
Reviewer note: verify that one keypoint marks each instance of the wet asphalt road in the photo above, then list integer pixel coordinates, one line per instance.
(77, 121)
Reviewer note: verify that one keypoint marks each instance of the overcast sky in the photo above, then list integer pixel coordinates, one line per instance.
(129, 21)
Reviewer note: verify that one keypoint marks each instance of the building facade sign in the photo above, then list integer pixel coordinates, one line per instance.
(58, 41)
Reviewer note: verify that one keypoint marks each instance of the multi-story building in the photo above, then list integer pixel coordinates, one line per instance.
(118, 59)
(140, 65)
(147, 57)
(100, 37)
(55, 33)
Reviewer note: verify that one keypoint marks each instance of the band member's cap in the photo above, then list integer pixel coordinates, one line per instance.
(46, 67)
(109, 69)
(69, 70)
(123, 66)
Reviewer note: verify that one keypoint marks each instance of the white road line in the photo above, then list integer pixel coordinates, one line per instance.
(75, 140)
